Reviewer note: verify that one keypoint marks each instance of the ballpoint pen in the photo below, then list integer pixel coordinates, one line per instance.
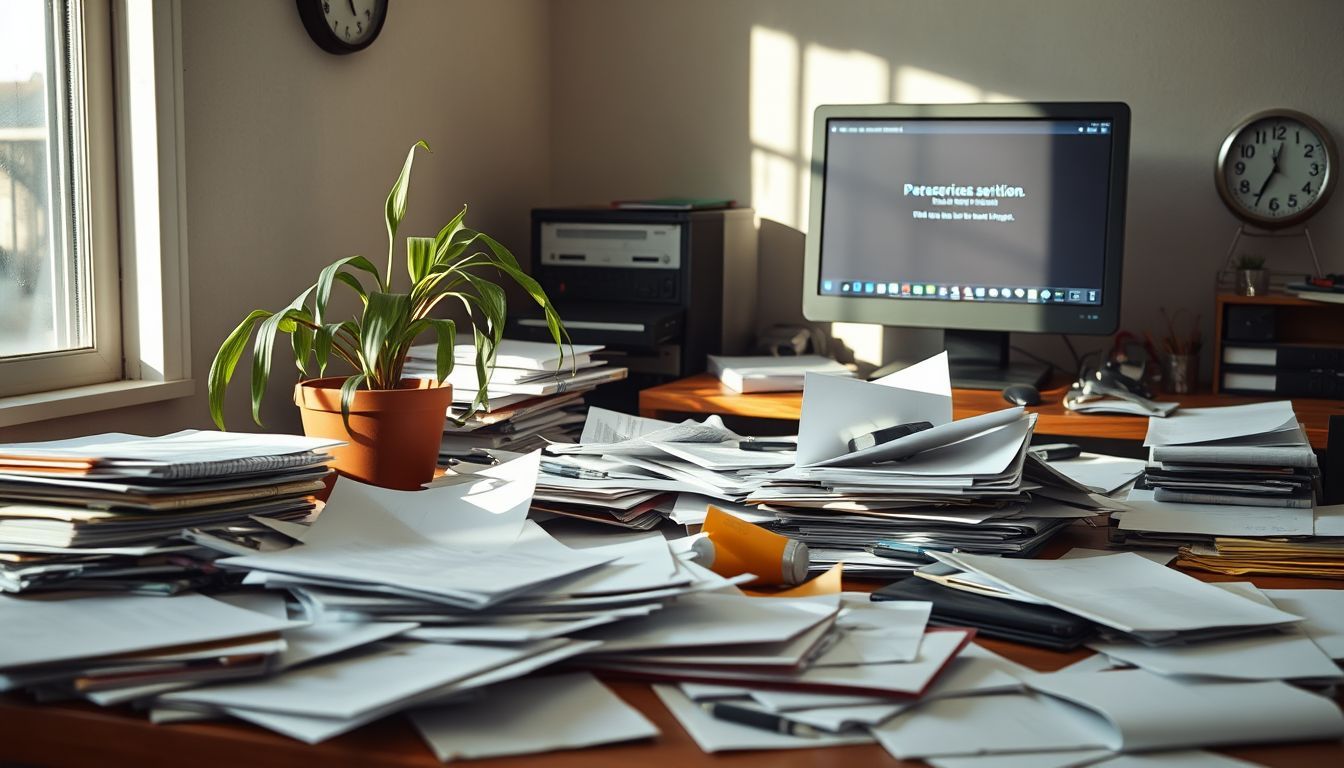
(755, 718)
(577, 473)
(767, 445)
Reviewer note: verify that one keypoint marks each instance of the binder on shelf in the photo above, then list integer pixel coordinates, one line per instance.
(1259, 380)
(1294, 356)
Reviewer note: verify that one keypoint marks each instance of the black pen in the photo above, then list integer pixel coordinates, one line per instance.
(755, 718)
(767, 445)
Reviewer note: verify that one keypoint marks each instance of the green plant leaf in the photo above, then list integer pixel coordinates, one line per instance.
(419, 257)
(265, 344)
(396, 205)
(509, 265)
(301, 339)
(348, 388)
(385, 318)
(226, 360)
(447, 340)
(449, 230)
(331, 273)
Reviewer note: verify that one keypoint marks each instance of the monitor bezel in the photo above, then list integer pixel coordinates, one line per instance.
(960, 315)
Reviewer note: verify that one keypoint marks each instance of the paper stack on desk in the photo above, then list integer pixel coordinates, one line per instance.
(535, 393)
(881, 508)
(766, 373)
(125, 512)
(1219, 480)
(628, 471)
(1241, 455)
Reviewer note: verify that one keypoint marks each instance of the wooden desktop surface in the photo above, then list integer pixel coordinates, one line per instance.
(703, 394)
(60, 735)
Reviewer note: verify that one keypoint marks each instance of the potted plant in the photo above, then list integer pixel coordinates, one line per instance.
(392, 425)
(1252, 279)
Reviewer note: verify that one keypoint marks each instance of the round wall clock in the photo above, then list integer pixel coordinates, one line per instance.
(342, 26)
(1277, 168)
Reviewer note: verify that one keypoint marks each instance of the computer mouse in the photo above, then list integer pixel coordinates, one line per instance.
(1022, 394)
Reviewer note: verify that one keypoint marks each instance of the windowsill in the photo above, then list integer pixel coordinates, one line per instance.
(40, 406)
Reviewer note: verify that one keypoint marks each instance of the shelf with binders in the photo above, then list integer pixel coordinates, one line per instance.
(1279, 346)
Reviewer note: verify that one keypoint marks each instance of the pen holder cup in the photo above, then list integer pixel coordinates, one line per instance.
(1180, 374)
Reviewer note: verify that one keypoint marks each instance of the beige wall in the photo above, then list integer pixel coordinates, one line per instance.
(290, 153)
(712, 97)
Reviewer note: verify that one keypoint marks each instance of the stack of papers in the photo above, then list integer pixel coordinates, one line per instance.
(881, 509)
(1119, 592)
(147, 514)
(534, 393)
(772, 374)
(1243, 471)
(1242, 455)
(89, 646)
(631, 472)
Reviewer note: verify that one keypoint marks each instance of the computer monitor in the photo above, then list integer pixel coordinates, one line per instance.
(978, 219)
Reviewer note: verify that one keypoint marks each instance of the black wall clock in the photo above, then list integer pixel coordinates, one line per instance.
(342, 26)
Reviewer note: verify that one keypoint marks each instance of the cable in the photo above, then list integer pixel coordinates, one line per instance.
(1077, 361)
(1037, 358)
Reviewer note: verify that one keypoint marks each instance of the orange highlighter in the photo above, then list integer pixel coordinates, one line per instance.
(733, 546)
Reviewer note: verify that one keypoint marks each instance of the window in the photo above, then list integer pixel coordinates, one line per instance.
(92, 271)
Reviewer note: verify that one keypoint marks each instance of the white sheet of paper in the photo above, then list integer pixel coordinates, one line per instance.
(532, 715)
(507, 632)
(1101, 473)
(894, 680)
(1123, 591)
(188, 445)
(836, 409)
(972, 725)
(877, 633)
(712, 619)
(639, 564)
(48, 631)
(978, 446)
(486, 512)
(726, 456)
(1329, 520)
(691, 508)
(617, 434)
(1151, 712)
(1073, 758)
(1202, 425)
(1185, 758)
(328, 638)
(1324, 612)
(312, 730)
(350, 686)
(1265, 656)
(1146, 513)
(1159, 556)
(715, 735)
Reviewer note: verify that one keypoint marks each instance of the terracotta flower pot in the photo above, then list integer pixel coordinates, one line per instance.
(394, 434)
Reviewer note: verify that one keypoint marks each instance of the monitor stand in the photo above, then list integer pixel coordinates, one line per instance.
(979, 360)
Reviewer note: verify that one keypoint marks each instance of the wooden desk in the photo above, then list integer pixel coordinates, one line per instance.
(85, 735)
(703, 395)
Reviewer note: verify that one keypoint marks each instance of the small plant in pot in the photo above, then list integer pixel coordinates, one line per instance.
(392, 425)
(1252, 279)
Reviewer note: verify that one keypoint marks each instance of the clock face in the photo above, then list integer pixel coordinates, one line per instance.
(1277, 169)
(353, 21)
(342, 26)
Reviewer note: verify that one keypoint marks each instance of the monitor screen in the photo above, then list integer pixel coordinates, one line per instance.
(980, 216)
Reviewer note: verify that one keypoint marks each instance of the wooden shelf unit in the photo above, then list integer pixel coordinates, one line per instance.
(1297, 321)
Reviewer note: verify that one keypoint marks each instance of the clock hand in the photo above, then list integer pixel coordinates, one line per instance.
(352, 8)
(1273, 170)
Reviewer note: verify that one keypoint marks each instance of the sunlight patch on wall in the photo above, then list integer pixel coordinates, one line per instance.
(774, 91)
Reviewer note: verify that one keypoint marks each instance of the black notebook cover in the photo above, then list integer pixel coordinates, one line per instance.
(1039, 625)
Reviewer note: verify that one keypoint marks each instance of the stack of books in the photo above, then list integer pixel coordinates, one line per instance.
(765, 373)
(534, 394)
(147, 514)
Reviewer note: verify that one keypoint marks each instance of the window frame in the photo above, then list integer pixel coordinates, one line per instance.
(141, 172)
